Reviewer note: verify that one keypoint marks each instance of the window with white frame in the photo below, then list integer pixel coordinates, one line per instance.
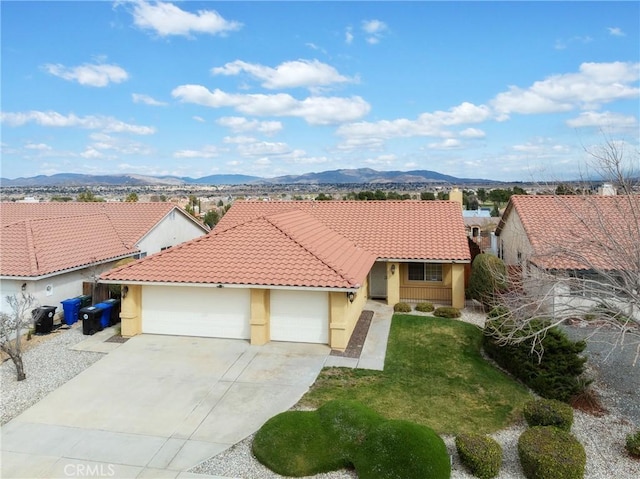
(425, 272)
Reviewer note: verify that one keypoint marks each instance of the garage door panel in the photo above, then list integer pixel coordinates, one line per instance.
(207, 312)
(299, 316)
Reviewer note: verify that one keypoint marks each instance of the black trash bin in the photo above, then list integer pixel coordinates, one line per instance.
(115, 310)
(90, 317)
(43, 319)
(85, 300)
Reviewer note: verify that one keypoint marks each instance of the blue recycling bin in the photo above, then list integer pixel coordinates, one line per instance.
(115, 310)
(105, 319)
(71, 308)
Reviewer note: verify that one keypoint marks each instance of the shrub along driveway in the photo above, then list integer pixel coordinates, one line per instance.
(435, 375)
(158, 405)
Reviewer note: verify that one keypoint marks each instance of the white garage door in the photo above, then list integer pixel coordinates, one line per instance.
(299, 316)
(188, 311)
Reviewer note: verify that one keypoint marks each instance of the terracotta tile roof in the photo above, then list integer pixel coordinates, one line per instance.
(580, 232)
(429, 230)
(42, 238)
(290, 248)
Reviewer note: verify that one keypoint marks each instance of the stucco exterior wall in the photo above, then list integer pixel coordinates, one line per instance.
(344, 315)
(513, 244)
(173, 229)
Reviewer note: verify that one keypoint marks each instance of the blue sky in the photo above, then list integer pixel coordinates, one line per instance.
(505, 90)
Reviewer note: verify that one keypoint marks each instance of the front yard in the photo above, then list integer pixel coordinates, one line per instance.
(434, 375)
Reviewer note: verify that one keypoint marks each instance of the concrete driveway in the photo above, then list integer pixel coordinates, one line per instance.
(156, 406)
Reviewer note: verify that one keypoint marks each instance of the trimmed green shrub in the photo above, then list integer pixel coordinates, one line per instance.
(342, 434)
(488, 277)
(402, 449)
(482, 455)
(548, 412)
(348, 423)
(425, 307)
(402, 308)
(633, 444)
(294, 444)
(556, 374)
(447, 312)
(547, 452)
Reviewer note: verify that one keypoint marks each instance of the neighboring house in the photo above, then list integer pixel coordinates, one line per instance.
(480, 225)
(573, 251)
(51, 249)
(297, 271)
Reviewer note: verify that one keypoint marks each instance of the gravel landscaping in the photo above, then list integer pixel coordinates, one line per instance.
(48, 366)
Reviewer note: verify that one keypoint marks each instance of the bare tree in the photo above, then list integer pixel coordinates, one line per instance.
(11, 326)
(580, 258)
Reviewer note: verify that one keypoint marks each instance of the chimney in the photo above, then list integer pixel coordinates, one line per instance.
(456, 195)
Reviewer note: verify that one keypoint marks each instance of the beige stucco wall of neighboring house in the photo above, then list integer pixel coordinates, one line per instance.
(131, 310)
(344, 315)
(513, 243)
(260, 313)
(173, 229)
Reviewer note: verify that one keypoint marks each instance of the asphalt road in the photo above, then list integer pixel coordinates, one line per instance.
(616, 377)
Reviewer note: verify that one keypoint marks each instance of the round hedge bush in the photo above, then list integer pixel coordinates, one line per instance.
(547, 452)
(402, 450)
(402, 308)
(548, 412)
(488, 277)
(425, 307)
(480, 454)
(633, 444)
(447, 312)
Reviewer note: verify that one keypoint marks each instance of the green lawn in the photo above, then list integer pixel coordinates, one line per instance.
(434, 375)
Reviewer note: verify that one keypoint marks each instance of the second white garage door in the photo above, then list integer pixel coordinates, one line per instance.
(299, 316)
(190, 311)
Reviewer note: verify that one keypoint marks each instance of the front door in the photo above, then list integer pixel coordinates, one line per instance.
(378, 281)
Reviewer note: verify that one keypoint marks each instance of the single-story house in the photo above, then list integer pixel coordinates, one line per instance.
(297, 270)
(573, 251)
(50, 249)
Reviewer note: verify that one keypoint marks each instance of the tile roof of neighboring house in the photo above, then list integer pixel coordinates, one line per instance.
(580, 232)
(38, 239)
(289, 248)
(427, 230)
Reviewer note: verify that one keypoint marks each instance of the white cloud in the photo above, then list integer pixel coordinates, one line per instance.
(91, 154)
(427, 124)
(315, 110)
(238, 140)
(594, 84)
(38, 146)
(103, 141)
(348, 36)
(98, 75)
(375, 29)
(240, 124)
(262, 162)
(616, 32)
(562, 44)
(146, 99)
(447, 144)
(604, 119)
(292, 74)
(472, 133)
(167, 19)
(208, 151)
(263, 148)
(54, 119)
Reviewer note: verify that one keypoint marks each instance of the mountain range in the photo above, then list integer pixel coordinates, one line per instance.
(343, 176)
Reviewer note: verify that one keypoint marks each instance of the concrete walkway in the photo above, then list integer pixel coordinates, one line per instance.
(156, 406)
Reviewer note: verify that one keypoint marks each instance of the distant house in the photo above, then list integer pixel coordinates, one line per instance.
(480, 225)
(573, 251)
(298, 270)
(51, 249)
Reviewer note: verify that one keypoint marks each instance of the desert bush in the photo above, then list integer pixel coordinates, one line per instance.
(632, 444)
(488, 277)
(554, 374)
(547, 452)
(447, 312)
(548, 412)
(425, 307)
(402, 308)
(480, 454)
